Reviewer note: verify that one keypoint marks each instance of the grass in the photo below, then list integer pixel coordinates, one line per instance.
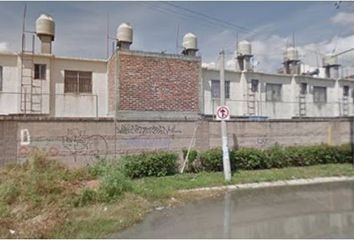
(164, 187)
(35, 197)
(43, 199)
(98, 220)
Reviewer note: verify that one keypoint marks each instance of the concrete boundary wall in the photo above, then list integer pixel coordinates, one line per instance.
(78, 142)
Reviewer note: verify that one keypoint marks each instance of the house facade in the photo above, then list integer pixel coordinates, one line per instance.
(143, 85)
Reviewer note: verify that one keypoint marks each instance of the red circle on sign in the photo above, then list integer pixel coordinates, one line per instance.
(223, 112)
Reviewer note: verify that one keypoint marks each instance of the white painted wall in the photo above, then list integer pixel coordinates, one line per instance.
(288, 107)
(350, 98)
(235, 101)
(45, 83)
(329, 109)
(65, 104)
(9, 99)
(272, 109)
(82, 104)
(96, 104)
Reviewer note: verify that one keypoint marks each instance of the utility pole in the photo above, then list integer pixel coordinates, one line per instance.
(225, 149)
(352, 138)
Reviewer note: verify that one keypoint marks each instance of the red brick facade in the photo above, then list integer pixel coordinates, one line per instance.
(111, 71)
(153, 82)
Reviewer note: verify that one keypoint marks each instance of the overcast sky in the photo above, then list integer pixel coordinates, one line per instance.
(81, 27)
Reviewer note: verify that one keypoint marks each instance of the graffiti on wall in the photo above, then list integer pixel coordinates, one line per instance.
(26, 150)
(90, 147)
(140, 137)
(25, 137)
(147, 130)
(262, 141)
(76, 143)
(78, 146)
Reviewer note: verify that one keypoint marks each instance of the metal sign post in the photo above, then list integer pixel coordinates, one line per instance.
(222, 111)
(352, 138)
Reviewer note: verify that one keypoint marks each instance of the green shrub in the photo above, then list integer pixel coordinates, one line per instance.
(249, 158)
(193, 154)
(86, 196)
(297, 156)
(193, 164)
(211, 160)
(277, 157)
(113, 184)
(100, 168)
(150, 164)
(344, 153)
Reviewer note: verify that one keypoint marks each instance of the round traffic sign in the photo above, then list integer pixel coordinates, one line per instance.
(223, 113)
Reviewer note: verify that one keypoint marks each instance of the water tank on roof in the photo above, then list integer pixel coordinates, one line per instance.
(330, 60)
(244, 48)
(45, 26)
(125, 33)
(291, 54)
(190, 42)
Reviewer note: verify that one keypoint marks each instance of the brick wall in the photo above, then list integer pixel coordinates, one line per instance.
(77, 142)
(8, 136)
(111, 72)
(154, 82)
(284, 132)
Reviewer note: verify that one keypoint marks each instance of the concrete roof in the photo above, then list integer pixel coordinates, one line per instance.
(54, 56)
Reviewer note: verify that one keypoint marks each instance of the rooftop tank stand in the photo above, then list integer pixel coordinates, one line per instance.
(124, 36)
(243, 57)
(190, 44)
(31, 88)
(27, 65)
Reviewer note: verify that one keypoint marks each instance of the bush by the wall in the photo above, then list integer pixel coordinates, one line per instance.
(150, 164)
(113, 184)
(193, 154)
(276, 157)
(297, 156)
(249, 158)
(344, 153)
(211, 160)
(193, 164)
(101, 167)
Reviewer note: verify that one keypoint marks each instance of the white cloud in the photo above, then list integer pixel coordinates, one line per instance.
(4, 47)
(269, 53)
(209, 65)
(343, 18)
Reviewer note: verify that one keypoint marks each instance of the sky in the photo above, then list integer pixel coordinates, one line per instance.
(81, 28)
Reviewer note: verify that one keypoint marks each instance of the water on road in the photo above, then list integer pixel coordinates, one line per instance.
(311, 211)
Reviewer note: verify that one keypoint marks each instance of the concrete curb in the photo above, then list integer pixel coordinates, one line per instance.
(294, 182)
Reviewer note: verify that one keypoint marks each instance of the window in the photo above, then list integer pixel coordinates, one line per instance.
(77, 82)
(303, 88)
(40, 71)
(273, 92)
(345, 91)
(215, 89)
(0, 78)
(319, 94)
(254, 85)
